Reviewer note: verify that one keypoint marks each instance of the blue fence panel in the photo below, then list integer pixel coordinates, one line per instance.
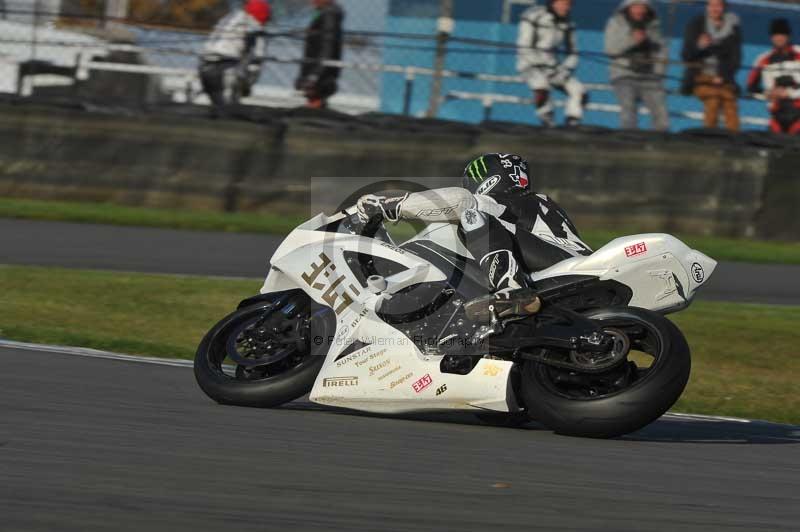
(481, 20)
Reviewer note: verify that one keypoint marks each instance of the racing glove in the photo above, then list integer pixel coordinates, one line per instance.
(370, 206)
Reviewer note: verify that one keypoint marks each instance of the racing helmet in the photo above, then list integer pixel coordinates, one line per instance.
(499, 175)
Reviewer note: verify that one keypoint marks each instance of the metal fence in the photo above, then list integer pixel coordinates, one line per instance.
(447, 58)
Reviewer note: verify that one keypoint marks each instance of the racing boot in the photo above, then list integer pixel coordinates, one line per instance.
(503, 304)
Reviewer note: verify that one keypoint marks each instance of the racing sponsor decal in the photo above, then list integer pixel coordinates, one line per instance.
(339, 382)
(378, 367)
(393, 248)
(330, 286)
(636, 249)
(492, 370)
(493, 267)
(477, 169)
(488, 185)
(358, 318)
(371, 358)
(389, 373)
(401, 380)
(423, 383)
(431, 213)
(354, 355)
(441, 389)
(698, 273)
(354, 349)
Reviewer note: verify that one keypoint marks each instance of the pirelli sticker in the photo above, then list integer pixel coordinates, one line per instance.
(340, 382)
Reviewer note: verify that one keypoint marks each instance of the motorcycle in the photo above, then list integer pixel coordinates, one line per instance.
(356, 321)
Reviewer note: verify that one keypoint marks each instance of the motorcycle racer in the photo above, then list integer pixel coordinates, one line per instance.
(510, 230)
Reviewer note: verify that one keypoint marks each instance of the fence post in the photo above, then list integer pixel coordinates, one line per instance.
(446, 25)
(408, 91)
(35, 29)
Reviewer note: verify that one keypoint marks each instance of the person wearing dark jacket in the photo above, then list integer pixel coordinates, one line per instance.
(712, 47)
(776, 75)
(323, 43)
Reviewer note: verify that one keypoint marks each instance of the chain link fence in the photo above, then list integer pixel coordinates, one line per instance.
(453, 59)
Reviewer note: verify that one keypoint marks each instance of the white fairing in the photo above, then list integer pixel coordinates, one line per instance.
(390, 374)
(375, 367)
(663, 273)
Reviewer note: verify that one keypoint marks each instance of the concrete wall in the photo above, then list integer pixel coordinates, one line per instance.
(738, 186)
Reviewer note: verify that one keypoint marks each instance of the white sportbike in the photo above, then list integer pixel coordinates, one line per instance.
(358, 322)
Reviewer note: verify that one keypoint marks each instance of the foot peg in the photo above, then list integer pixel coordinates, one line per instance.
(522, 302)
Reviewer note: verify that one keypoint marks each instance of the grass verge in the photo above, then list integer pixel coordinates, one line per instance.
(740, 250)
(745, 361)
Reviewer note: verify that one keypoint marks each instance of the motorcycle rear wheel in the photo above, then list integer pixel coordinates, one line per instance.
(621, 400)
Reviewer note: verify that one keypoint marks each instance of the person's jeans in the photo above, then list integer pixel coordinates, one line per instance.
(716, 97)
(631, 91)
(218, 81)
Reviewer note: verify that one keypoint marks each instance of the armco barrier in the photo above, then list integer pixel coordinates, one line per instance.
(700, 182)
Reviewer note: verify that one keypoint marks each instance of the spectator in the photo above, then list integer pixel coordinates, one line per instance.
(634, 42)
(712, 45)
(323, 43)
(231, 61)
(777, 74)
(545, 33)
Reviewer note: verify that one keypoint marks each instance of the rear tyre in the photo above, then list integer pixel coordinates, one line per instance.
(264, 355)
(622, 399)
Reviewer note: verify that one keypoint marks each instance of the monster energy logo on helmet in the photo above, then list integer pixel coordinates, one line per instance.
(477, 169)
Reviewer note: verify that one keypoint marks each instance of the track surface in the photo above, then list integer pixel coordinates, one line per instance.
(247, 255)
(90, 444)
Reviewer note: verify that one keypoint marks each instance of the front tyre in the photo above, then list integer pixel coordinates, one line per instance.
(264, 355)
(623, 399)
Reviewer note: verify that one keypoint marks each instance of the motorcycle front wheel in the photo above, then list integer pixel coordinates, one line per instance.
(622, 399)
(266, 354)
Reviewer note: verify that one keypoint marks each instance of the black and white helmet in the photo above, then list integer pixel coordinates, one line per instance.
(499, 175)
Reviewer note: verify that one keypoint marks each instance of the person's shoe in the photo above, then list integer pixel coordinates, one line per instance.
(547, 119)
(505, 304)
(571, 121)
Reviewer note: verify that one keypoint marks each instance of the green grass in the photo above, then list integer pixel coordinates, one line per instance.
(740, 250)
(112, 214)
(155, 315)
(746, 359)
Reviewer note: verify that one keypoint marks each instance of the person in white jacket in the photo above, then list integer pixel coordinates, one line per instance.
(231, 60)
(547, 59)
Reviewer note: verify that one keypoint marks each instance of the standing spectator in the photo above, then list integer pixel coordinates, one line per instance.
(548, 56)
(231, 61)
(323, 43)
(712, 46)
(777, 74)
(638, 54)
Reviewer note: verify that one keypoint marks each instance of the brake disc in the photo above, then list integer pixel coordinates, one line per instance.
(599, 361)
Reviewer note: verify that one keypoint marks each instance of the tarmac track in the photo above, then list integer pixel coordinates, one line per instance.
(247, 255)
(92, 444)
